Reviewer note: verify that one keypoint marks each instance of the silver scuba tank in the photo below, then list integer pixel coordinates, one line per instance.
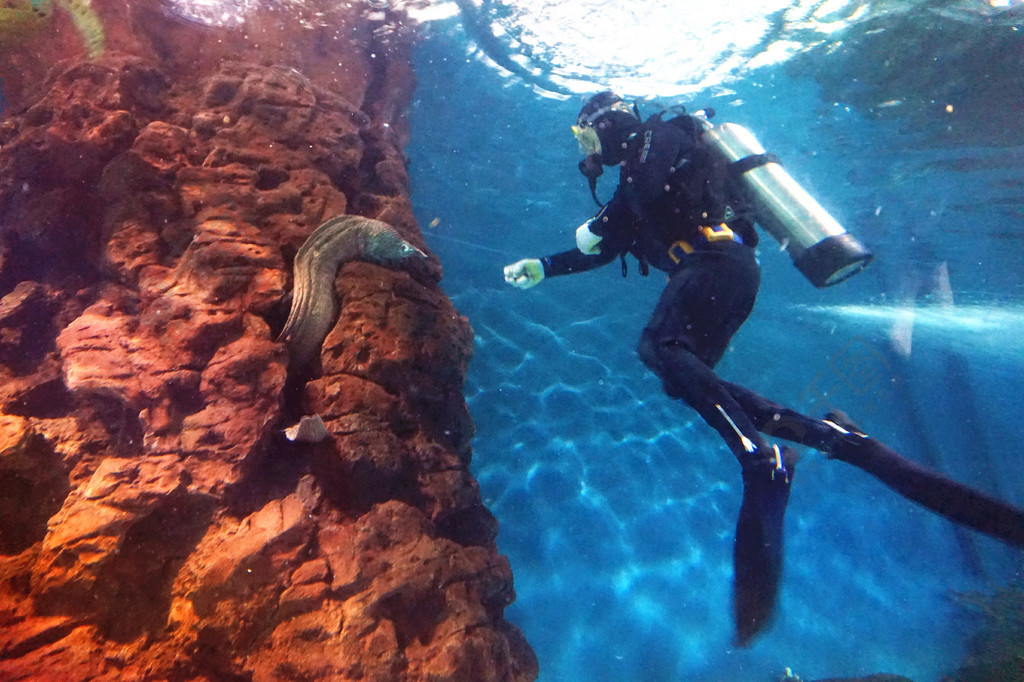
(820, 248)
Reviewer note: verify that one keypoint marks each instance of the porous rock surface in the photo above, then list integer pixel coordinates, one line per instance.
(154, 522)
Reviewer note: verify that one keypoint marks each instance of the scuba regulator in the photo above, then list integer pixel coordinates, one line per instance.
(592, 168)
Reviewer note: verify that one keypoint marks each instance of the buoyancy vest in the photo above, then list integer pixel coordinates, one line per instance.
(674, 187)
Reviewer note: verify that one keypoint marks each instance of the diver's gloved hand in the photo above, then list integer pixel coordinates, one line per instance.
(586, 241)
(525, 273)
(757, 556)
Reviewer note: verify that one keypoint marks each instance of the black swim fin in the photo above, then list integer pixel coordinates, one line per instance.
(927, 487)
(757, 555)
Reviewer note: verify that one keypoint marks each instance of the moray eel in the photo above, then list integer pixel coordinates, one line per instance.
(339, 240)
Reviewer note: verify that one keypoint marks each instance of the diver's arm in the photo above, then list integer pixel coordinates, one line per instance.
(592, 251)
(530, 272)
(573, 261)
(598, 242)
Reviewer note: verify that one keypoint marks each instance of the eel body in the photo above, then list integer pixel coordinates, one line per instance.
(339, 240)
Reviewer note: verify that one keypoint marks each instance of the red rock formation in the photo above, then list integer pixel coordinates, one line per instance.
(154, 523)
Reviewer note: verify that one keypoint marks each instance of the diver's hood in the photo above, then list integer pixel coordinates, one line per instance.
(614, 130)
(613, 120)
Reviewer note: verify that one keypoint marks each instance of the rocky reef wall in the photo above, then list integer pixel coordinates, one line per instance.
(154, 521)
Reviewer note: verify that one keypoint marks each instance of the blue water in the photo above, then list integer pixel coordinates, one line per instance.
(617, 505)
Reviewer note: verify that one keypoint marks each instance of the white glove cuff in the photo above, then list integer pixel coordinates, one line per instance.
(587, 241)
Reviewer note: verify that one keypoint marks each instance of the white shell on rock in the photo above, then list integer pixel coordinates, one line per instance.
(310, 429)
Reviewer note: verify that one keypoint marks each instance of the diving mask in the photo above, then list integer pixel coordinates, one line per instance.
(586, 137)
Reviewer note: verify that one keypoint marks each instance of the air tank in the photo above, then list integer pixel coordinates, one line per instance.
(820, 248)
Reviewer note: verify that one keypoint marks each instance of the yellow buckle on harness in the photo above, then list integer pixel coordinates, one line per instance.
(718, 233)
(679, 245)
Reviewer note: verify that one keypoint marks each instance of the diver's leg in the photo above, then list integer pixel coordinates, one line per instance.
(778, 421)
(758, 547)
(707, 299)
(927, 487)
(691, 327)
(840, 439)
(686, 377)
(767, 477)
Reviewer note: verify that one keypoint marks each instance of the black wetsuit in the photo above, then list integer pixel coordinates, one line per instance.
(669, 189)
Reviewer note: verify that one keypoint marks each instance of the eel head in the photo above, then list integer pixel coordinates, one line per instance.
(387, 247)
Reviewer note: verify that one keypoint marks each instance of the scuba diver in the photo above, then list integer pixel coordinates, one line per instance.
(687, 200)
(688, 196)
